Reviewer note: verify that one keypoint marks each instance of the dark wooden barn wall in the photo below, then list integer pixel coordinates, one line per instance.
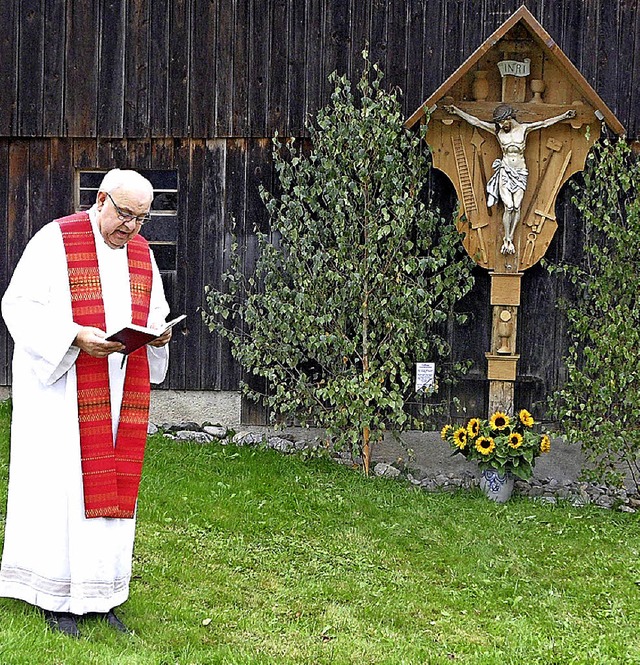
(230, 68)
(200, 85)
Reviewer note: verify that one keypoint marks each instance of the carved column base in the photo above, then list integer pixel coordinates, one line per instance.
(501, 396)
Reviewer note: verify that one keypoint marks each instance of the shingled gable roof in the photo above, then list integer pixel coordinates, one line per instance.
(546, 42)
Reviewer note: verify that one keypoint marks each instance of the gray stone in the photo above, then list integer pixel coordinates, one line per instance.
(198, 437)
(605, 501)
(386, 470)
(248, 438)
(151, 429)
(280, 444)
(182, 427)
(216, 431)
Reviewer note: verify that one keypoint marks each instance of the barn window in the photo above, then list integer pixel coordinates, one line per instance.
(162, 230)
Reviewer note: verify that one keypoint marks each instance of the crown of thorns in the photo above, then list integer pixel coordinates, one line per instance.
(503, 112)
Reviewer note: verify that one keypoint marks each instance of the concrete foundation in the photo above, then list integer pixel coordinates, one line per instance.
(214, 406)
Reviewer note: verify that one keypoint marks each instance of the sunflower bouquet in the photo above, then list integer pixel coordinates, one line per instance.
(504, 443)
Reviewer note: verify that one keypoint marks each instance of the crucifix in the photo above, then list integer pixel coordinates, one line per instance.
(509, 128)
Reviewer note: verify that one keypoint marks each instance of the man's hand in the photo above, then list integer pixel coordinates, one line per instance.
(570, 114)
(92, 341)
(162, 340)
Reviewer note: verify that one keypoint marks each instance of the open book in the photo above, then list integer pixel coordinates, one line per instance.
(133, 336)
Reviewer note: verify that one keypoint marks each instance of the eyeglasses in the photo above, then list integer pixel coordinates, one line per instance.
(125, 217)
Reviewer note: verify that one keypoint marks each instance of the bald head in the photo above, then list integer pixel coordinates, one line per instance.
(125, 179)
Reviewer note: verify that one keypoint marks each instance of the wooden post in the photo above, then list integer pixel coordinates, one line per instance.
(502, 359)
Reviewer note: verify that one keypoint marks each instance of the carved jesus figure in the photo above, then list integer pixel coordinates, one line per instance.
(509, 180)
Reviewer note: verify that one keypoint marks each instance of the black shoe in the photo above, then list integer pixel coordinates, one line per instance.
(62, 622)
(111, 618)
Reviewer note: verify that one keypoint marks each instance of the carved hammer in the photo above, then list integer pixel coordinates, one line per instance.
(553, 145)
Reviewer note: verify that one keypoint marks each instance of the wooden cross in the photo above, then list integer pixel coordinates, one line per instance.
(518, 65)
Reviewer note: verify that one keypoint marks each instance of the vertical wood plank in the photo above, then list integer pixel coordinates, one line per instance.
(240, 83)
(570, 39)
(397, 24)
(54, 81)
(176, 376)
(179, 48)
(360, 30)
(474, 27)
(193, 266)
(39, 170)
(212, 349)
(609, 54)
(234, 225)
(433, 47)
(30, 68)
(589, 35)
(9, 69)
(414, 93)
(277, 75)
(81, 71)
(226, 70)
(18, 220)
(337, 42)
(552, 18)
(203, 71)
(316, 75)
(85, 154)
(136, 68)
(111, 75)
(109, 153)
(632, 119)
(139, 151)
(378, 34)
(159, 68)
(296, 79)
(259, 172)
(61, 180)
(454, 38)
(162, 154)
(258, 67)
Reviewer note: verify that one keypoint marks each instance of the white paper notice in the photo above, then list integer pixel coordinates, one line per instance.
(425, 376)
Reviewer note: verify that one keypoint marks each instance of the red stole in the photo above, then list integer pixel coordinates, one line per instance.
(111, 475)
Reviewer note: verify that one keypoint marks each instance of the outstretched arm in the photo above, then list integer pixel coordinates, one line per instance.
(471, 119)
(530, 126)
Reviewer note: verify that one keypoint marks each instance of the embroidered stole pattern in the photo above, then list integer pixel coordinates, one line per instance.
(111, 475)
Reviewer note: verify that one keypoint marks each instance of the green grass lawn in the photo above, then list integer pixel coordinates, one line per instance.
(246, 556)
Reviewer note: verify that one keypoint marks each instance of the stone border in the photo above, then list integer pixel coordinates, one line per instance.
(548, 490)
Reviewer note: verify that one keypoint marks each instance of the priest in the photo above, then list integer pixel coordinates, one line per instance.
(73, 480)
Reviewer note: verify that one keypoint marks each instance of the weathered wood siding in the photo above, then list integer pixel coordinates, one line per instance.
(246, 68)
(200, 86)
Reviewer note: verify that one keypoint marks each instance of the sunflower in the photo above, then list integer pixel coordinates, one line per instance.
(526, 418)
(460, 438)
(545, 444)
(485, 445)
(473, 427)
(515, 440)
(499, 420)
(445, 431)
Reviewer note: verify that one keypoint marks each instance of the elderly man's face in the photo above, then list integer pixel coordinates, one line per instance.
(115, 231)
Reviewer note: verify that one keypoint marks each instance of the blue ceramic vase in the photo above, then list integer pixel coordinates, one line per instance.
(497, 486)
